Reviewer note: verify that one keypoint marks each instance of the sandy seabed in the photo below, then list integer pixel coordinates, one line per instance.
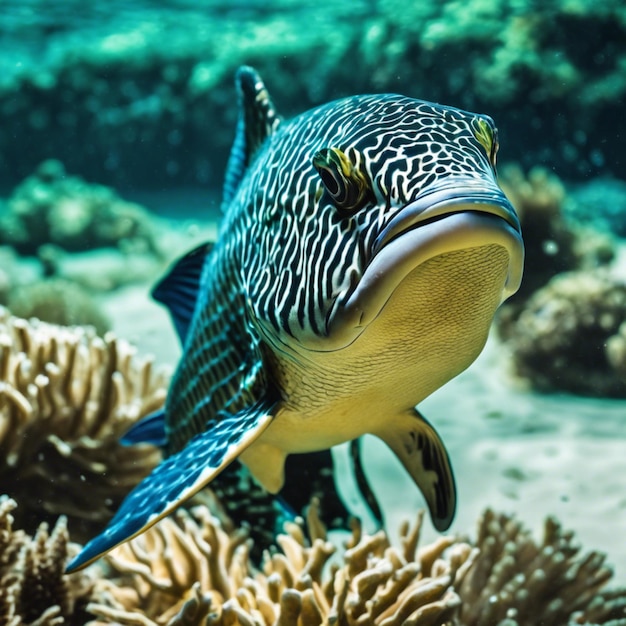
(511, 450)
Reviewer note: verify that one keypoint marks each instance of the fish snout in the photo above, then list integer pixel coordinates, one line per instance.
(451, 218)
(458, 214)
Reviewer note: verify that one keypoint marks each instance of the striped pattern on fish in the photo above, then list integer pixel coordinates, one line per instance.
(364, 250)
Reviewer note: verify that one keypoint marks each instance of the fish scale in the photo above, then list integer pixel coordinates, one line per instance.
(364, 250)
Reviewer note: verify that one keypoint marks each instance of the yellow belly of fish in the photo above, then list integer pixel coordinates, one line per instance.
(432, 328)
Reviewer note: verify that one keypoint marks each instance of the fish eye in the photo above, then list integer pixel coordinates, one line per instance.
(347, 186)
(329, 180)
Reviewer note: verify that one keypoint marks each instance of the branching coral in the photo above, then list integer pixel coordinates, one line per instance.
(518, 581)
(377, 584)
(34, 589)
(189, 571)
(66, 396)
(570, 335)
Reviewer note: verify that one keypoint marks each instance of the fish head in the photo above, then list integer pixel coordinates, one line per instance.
(354, 197)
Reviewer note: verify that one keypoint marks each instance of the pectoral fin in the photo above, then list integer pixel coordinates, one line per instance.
(150, 429)
(417, 444)
(178, 478)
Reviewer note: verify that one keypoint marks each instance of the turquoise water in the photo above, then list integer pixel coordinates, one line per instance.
(117, 120)
(138, 94)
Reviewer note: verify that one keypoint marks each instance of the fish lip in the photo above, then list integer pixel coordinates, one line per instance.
(435, 223)
(441, 203)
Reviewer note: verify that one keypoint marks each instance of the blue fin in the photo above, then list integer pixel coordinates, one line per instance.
(178, 478)
(150, 429)
(257, 121)
(178, 289)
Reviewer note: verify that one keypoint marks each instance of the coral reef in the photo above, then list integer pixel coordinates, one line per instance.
(187, 570)
(66, 396)
(204, 567)
(52, 207)
(570, 335)
(34, 590)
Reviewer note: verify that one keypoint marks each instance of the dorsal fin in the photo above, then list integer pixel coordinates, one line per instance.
(178, 289)
(257, 121)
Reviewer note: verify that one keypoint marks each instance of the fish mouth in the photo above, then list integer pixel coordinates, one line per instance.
(438, 222)
(437, 205)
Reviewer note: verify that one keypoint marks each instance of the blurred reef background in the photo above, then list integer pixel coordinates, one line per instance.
(138, 95)
(117, 118)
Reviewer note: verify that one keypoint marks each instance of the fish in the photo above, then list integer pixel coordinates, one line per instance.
(364, 249)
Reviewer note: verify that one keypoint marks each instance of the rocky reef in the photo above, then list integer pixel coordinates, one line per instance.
(571, 304)
(52, 208)
(58, 301)
(65, 242)
(570, 335)
(554, 244)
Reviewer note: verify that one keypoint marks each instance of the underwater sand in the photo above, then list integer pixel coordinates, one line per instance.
(512, 450)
